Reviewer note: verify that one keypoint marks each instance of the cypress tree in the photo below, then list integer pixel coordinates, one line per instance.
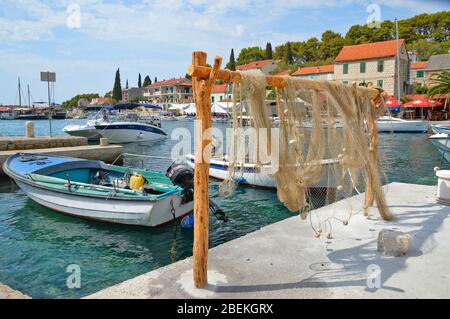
(269, 52)
(289, 59)
(117, 90)
(126, 85)
(156, 79)
(232, 63)
(139, 81)
(147, 81)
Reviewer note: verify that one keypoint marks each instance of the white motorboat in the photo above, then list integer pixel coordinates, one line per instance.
(251, 174)
(131, 128)
(87, 130)
(440, 128)
(98, 191)
(442, 143)
(393, 124)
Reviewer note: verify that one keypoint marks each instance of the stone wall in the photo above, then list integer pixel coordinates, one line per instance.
(11, 143)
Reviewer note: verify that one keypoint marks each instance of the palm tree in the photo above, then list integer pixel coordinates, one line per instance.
(442, 85)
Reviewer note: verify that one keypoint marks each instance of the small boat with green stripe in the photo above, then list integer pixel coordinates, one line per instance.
(99, 191)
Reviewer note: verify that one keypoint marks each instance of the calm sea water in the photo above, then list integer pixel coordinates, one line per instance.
(37, 245)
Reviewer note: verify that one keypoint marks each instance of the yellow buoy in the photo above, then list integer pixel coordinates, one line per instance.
(136, 181)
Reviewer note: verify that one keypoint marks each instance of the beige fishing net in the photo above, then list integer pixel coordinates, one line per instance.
(319, 142)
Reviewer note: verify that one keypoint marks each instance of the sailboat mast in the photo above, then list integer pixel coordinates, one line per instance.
(29, 98)
(398, 59)
(20, 94)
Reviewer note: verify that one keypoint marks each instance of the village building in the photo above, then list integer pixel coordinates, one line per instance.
(322, 72)
(283, 73)
(375, 63)
(132, 94)
(169, 91)
(265, 66)
(436, 64)
(221, 92)
(417, 73)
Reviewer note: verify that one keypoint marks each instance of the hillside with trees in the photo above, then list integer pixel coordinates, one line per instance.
(427, 34)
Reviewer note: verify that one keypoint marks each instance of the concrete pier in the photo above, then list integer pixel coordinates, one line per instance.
(286, 260)
(7, 292)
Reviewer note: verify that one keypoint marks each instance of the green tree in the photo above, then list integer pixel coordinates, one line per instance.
(73, 102)
(156, 79)
(117, 90)
(108, 94)
(426, 48)
(248, 55)
(289, 58)
(139, 81)
(126, 85)
(147, 81)
(441, 85)
(269, 52)
(330, 45)
(231, 65)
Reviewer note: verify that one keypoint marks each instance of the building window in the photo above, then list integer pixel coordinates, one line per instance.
(221, 97)
(420, 74)
(345, 70)
(380, 66)
(362, 67)
(212, 99)
(380, 83)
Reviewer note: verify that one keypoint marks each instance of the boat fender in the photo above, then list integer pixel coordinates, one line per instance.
(188, 222)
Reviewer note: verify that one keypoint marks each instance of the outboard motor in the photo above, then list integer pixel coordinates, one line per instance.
(183, 176)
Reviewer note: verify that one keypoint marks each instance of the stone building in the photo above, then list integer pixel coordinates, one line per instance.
(376, 63)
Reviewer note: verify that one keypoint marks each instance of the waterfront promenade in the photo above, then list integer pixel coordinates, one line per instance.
(285, 260)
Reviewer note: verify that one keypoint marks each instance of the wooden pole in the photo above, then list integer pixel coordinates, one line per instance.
(202, 94)
(274, 81)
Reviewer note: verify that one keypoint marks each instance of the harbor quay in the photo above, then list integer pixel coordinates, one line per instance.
(286, 260)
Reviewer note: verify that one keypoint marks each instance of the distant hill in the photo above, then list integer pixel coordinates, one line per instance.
(427, 34)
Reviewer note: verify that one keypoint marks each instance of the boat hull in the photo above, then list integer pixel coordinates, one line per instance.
(404, 126)
(90, 133)
(219, 170)
(442, 144)
(141, 213)
(120, 133)
(438, 129)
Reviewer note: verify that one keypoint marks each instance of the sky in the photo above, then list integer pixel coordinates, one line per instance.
(85, 41)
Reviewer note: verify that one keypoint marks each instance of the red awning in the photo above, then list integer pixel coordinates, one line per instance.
(4, 109)
(392, 102)
(422, 102)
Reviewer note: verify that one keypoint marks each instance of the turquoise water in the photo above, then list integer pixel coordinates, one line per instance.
(37, 245)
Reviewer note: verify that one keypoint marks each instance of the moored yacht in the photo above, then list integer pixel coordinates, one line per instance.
(393, 124)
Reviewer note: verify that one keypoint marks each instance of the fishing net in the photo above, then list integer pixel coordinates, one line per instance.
(320, 141)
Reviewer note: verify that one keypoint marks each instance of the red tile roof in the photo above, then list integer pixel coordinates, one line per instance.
(282, 73)
(368, 51)
(254, 65)
(419, 65)
(177, 82)
(314, 70)
(219, 88)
